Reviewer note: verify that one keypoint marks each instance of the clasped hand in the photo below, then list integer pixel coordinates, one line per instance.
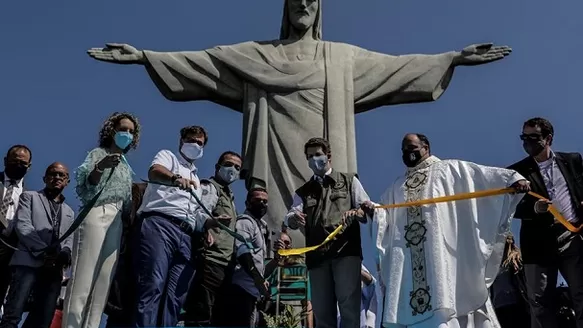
(185, 184)
(108, 162)
(298, 219)
(521, 186)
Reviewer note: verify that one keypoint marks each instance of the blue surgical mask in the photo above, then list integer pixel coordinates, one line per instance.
(192, 151)
(123, 139)
(318, 164)
(228, 174)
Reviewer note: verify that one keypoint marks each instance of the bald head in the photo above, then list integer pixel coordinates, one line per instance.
(415, 148)
(56, 177)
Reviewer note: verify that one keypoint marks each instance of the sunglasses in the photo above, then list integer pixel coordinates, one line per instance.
(531, 137)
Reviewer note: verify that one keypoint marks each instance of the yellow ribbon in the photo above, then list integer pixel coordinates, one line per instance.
(463, 196)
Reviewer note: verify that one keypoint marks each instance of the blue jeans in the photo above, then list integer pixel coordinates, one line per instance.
(46, 284)
(164, 269)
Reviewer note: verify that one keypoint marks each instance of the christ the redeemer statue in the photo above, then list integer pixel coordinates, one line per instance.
(295, 88)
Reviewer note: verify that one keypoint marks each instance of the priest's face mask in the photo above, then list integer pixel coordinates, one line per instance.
(302, 13)
(533, 140)
(414, 150)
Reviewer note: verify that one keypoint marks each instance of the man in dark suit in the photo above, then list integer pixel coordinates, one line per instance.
(16, 164)
(547, 246)
(41, 219)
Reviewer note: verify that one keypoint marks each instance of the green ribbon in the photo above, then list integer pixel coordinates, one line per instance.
(220, 225)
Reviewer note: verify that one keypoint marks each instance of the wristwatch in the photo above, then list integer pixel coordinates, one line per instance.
(98, 169)
(176, 177)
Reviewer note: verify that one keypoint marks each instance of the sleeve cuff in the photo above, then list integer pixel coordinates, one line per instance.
(243, 249)
(514, 177)
(286, 220)
(199, 224)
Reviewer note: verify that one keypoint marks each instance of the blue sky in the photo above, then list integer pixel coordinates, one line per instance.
(54, 97)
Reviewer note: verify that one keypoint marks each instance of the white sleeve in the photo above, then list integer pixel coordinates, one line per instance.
(297, 206)
(359, 195)
(164, 158)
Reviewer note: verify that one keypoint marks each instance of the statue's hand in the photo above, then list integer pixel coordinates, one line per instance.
(117, 53)
(478, 54)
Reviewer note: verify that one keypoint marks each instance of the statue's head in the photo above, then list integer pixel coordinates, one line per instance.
(302, 15)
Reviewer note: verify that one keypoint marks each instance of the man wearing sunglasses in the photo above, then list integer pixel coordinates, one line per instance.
(41, 219)
(547, 246)
(215, 263)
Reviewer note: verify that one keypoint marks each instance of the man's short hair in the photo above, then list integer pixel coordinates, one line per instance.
(228, 153)
(423, 138)
(252, 190)
(19, 147)
(318, 142)
(194, 130)
(546, 128)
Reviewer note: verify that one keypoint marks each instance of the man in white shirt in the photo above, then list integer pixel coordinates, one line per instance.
(16, 165)
(171, 218)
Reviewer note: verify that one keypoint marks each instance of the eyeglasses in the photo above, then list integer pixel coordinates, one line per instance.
(18, 163)
(54, 174)
(532, 137)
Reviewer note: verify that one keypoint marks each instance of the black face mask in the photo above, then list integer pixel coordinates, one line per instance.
(258, 210)
(15, 172)
(411, 157)
(532, 147)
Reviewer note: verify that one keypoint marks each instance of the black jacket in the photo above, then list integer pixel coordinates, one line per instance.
(538, 233)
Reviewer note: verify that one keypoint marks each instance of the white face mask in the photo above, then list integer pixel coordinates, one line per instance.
(192, 151)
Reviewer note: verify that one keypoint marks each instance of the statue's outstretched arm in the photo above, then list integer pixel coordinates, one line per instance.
(478, 54)
(118, 53)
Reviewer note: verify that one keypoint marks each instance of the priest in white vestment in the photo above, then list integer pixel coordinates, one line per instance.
(437, 261)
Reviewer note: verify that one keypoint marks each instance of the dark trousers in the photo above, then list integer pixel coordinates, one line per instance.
(241, 306)
(337, 281)
(5, 270)
(206, 298)
(122, 292)
(46, 283)
(513, 316)
(164, 271)
(541, 280)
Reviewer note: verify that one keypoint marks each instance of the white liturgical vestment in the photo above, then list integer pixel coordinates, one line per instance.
(437, 261)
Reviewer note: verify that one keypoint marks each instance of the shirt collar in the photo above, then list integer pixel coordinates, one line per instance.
(59, 201)
(321, 179)
(550, 160)
(7, 181)
(186, 163)
(262, 223)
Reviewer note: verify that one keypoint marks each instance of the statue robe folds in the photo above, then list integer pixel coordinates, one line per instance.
(438, 260)
(285, 102)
